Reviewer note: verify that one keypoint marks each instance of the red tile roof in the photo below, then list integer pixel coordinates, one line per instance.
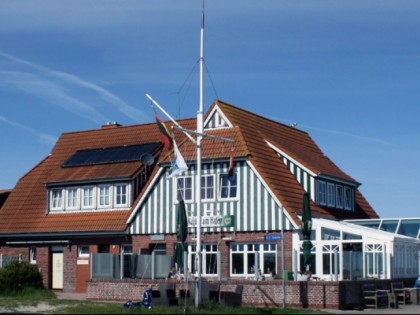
(25, 209)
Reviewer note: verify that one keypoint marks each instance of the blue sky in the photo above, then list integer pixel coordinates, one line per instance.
(346, 71)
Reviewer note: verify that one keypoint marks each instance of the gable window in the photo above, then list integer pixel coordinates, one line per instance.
(121, 195)
(104, 199)
(88, 197)
(228, 187)
(72, 198)
(184, 188)
(207, 187)
(57, 199)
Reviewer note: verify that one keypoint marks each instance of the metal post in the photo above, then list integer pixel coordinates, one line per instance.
(282, 258)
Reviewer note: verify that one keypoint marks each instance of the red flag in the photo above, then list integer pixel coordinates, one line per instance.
(231, 166)
(166, 135)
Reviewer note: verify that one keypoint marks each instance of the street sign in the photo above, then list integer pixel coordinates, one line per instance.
(273, 237)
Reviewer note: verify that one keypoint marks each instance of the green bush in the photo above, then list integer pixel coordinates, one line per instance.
(19, 275)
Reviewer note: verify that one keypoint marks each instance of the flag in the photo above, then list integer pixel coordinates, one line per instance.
(166, 135)
(178, 165)
(231, 166)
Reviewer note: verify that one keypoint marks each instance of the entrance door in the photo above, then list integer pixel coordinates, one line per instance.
(57, 270)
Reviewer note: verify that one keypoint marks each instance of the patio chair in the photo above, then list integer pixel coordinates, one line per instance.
(372, 297)
(402, 294)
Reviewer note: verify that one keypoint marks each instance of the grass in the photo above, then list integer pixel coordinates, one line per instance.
(46, 302)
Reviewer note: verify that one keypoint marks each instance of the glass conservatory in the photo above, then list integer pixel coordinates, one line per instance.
(361, 249)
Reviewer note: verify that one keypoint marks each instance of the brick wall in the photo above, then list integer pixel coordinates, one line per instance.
(269, 293)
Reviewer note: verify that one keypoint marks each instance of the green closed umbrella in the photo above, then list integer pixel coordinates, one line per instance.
(181, 234)
(306, 230)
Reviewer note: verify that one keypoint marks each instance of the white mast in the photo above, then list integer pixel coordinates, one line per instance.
(200, 130)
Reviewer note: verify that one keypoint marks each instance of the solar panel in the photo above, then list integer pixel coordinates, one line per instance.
(111, 155)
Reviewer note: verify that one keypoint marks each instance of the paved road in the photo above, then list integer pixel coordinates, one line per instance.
(402, 309)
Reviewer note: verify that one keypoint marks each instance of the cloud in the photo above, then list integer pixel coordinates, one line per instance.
(59, 87)
(351, 135)
(42, 137)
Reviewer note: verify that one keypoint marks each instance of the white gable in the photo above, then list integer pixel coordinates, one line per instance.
(217, 119)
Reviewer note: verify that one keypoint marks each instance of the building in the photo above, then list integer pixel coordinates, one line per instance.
(107, 191)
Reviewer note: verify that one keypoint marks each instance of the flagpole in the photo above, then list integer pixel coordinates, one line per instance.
(200, 131)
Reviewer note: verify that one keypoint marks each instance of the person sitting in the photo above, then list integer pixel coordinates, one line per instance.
(260, 275)
(173, 274)
(273, 275)
(147, 298)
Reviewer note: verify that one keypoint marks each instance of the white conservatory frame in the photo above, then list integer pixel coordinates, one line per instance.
(378, 254)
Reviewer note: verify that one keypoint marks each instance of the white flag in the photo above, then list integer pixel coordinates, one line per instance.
(178, 166)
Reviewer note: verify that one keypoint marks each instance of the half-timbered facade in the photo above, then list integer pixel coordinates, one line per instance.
(108, 191)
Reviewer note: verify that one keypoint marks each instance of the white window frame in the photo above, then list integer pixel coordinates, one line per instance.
(181, 181)
(108, 196)
(330, 195)
(32, 254)
(339, 196)
(208, 189)
(91, 197)
(322, 193)
(348, 198)
(230, 186)
(249, 250)
(119, 194)
(72, 194)
(83, 251)
(57, 199)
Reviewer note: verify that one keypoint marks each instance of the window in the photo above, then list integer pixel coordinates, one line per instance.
(334, 196)
(322, 193)
(121, 195)
(72, 198)
(246, 258)
(348, 198)
(228, 187)
(184, 188)
(104, 199)
(339, 196)
(330, 260)
(330, 195)
(209, 259)
(88, 197)
(57, 199)
(207, 187)
(329, 234)
(83, 251)
(32, 254)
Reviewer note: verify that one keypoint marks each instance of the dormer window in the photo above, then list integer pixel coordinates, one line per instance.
(334, 195)
(121, 195)
(90, 197)
(56, 199)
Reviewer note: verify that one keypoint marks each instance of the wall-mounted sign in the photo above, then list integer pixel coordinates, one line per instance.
(273, 237)
(213, 221)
